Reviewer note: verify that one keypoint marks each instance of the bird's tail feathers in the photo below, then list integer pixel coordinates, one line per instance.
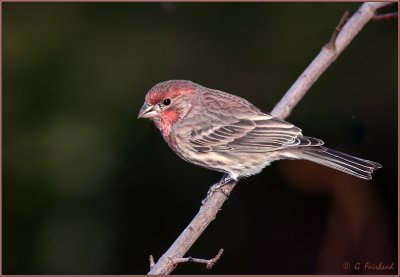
(340, 161)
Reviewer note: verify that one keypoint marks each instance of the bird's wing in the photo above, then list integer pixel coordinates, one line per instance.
(254, 134)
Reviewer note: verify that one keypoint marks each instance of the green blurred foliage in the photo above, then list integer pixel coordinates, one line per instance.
(89, 189)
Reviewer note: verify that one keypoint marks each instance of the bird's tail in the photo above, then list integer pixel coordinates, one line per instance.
(340, 161)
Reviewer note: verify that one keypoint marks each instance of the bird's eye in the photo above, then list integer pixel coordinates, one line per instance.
(167, 101)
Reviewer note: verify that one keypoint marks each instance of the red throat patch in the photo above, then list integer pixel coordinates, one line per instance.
(169, 118)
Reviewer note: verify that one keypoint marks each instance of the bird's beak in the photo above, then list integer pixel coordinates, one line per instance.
(147, 111)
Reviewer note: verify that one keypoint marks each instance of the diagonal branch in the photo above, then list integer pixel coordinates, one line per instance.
(329, 53)
(325, 58)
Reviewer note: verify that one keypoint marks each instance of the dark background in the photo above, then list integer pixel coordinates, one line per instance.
(89, 189)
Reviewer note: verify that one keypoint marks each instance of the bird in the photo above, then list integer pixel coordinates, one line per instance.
(226, 133)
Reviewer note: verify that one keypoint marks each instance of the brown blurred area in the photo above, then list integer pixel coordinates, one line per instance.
(358, 228)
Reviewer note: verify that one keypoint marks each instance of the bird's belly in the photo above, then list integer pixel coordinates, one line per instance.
(235, 164)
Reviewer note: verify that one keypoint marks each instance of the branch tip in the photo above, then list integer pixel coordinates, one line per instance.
(385, 16)
(190, 260)
(332, 42)
(212, 261)
(151, 260)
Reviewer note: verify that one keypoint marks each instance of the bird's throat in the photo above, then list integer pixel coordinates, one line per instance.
(168, 119)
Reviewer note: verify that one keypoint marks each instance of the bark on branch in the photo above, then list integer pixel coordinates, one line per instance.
(342, 37)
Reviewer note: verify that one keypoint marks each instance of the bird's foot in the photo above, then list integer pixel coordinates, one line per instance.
(225, 181)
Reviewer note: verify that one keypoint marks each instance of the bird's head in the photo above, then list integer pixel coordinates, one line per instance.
(167, 102)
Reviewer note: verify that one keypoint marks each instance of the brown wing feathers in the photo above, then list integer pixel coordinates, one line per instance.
(261, 133)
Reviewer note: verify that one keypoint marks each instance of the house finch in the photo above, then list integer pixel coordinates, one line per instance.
(226, 133)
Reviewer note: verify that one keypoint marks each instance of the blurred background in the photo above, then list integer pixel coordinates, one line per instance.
(89, 189)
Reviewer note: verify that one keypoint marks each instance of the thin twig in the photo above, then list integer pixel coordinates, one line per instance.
(214, 260)
(192, 232)
(385, 16)
(209, 263)
(151, 260)
(338, 28)
(210, 208)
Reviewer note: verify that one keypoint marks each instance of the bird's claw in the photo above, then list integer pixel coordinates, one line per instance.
(218, 187)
